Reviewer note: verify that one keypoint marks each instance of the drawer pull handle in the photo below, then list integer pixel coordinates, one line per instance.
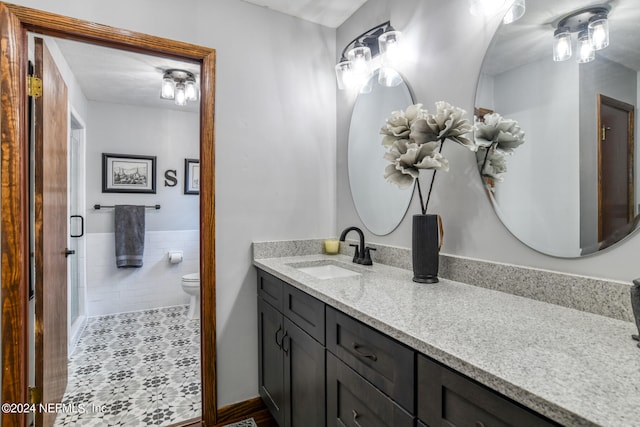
(355, 418)
(279, 342)
(366, 353)
(285, 349)
(479, 424)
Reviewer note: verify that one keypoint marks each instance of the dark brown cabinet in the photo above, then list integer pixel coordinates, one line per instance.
(363, 377)
(382, 361)
(447, 398)
(271, 360)
(353, 401)
(292, 376)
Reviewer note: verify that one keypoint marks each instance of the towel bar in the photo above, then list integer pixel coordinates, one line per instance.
(98, 207)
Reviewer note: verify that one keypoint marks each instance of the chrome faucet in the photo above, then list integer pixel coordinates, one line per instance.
(362, 254)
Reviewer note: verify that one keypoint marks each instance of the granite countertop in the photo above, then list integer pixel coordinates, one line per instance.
(577, 368)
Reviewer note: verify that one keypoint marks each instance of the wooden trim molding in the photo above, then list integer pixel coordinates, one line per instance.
(252, 408)
(15, 22)
(14, 222)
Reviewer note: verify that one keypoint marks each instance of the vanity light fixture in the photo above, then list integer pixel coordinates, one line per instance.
(592, 28)
(180, 86)
(485, 7)
(515, 12)
(356, 64)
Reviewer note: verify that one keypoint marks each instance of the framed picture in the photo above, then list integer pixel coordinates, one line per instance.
(191, 176)
(124, 173)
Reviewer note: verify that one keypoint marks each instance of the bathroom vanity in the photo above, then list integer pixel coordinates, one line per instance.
(373, 348)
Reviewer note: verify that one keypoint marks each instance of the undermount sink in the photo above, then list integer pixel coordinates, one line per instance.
(325, 271)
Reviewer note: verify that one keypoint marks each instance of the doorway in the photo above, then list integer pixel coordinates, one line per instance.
(76, 238)
(616, 194)
(137, 355)
(16, 21)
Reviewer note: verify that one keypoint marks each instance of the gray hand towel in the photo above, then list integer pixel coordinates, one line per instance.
(129, 233)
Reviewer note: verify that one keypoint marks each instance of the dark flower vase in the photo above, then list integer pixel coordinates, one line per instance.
(425, 248)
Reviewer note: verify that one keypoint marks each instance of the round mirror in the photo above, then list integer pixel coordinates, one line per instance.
(381, 205)
(571, 188)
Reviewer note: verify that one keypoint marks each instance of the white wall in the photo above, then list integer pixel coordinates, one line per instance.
(170, 135)
(450, 45)
(540, 196)
(156, 284)
(275, 143)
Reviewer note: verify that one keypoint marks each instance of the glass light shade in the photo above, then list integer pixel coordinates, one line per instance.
(599, 32)
(515, 12)
(485, 7)
(390, 46)
(367, 85)
(389, 77)
(561, 45)
(181, 95)
(191, 91)
(167, 88)
(586, 53)
(344, 75)
(360, 56)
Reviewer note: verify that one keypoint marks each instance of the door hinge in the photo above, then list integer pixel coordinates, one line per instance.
(35, 86)
(34, 395)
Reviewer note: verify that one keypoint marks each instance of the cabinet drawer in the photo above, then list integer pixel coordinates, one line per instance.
(305, 311)
(270, 289)
(354, 402)
(448, 398)
(385, 363)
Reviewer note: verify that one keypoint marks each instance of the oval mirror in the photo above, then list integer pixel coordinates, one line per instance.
(381, 205)
(571, 189)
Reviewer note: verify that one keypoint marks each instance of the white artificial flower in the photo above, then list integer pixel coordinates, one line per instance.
(446, 123)
(496, 130)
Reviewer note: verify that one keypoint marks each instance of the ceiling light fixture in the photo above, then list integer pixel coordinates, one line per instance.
(356, 64)
(179, 86)
(592, 28)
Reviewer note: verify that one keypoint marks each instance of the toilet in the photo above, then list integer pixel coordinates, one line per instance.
(191, 285)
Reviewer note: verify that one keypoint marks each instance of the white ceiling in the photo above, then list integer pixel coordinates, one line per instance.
(530, 38)
(121, 77)
(330, 13)
(110, 75)
(116, 76)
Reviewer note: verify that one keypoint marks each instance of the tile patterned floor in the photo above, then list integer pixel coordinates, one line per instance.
(135, 369)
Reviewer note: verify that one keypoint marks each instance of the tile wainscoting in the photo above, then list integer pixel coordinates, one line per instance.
(157, 284)
(593, 295)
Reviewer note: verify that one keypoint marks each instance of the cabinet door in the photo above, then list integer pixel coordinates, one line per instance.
(382, 361)
(446, 398)
(353, 401)
(305, 311)
(304, 373)
(271, 360)
(270, 288)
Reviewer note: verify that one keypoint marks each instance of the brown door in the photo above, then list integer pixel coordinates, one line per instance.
(50, 206)
(615, 168)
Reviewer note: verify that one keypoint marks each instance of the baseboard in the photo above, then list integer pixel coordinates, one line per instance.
(252, 408)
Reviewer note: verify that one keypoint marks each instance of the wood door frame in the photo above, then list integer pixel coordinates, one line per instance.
(15, 22)
(630, 109)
